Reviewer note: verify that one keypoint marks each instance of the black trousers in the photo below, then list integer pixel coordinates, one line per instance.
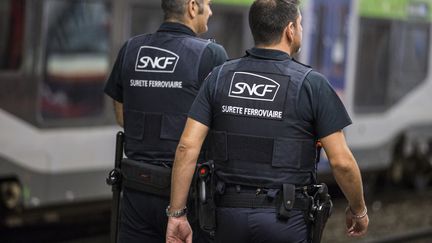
(253, 225)
(143, 219)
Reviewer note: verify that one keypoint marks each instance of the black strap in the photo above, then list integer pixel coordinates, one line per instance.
(252, 200)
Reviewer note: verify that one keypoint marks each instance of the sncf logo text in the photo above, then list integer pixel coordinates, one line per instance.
(156, 60)
(252, 86)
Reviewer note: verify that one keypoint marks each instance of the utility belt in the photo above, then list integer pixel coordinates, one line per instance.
(313, 200)
(149, 177)
(251, 197)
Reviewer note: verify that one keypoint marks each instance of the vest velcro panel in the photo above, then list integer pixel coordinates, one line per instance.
(278, 152)
(153, 129)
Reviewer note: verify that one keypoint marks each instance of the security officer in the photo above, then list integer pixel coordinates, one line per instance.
(265, 113)
(153, 83)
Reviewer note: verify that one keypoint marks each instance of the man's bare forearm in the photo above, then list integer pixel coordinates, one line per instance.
(348, 177)
(185, 160)
(345, 170)
(182, 173)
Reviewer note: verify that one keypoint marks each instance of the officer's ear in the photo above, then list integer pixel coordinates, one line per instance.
(192, 8)
(290, 31)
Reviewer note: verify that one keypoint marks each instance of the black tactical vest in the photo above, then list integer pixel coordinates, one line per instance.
(160, 73)
(257, 137)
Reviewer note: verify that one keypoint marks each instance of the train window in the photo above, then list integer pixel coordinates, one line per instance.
(76, 59)
(372, 70)
(392, 60)
(11, 33)
(410, 67)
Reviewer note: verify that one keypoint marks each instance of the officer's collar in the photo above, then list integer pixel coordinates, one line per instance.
(176, 27)
(268, 54)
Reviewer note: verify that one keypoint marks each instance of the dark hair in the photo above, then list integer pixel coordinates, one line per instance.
(175, 9)
(268, 18)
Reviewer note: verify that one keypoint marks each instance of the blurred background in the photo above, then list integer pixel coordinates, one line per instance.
(57, 128)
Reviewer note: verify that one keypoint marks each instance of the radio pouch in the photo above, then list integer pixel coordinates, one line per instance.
(146, 177)
(287, 198)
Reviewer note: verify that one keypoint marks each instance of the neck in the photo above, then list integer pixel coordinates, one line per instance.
(279, 46)
(186, 22)
(183, 22)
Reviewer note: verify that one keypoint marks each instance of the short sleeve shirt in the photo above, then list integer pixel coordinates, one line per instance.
(317, 103)
(213, 55)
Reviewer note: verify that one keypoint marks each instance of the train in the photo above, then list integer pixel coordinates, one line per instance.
(58, 128)
(376, 55)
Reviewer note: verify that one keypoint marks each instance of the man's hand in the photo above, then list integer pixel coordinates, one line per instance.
(356, 227)
(178, 230)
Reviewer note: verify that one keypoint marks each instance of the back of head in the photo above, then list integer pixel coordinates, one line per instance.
(176, 9)
(268, 19)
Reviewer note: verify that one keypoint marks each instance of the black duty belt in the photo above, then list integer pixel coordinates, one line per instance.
(249, 199)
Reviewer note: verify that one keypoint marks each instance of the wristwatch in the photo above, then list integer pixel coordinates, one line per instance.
(176, 214)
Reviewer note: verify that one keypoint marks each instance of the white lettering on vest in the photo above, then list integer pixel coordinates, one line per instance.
(257, 89)
(157, 62)
(253, 86)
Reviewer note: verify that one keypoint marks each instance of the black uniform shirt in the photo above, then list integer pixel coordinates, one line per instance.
(213, 55)
(317, 103)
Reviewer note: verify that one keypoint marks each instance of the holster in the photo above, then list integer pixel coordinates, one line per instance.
(146, 177)
(320, 212)
(205, 197)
